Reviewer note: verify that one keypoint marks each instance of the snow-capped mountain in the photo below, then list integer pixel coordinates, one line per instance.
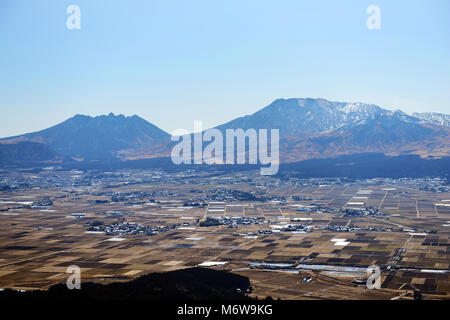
(318, 128)
(306, 116)
(309, 129)
(439, 119)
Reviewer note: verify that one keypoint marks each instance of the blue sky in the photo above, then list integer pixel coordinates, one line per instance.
(173, 62)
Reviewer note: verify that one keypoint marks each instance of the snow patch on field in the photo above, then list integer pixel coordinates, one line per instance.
(116, 239)
(340, 242)
(212, 264)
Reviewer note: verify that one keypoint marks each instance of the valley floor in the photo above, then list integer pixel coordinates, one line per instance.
(299, 243)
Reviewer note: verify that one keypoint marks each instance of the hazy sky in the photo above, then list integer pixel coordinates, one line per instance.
(173, 62)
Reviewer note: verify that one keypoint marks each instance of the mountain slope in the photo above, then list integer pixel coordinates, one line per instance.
(20, 152)
(380, 135)
(318, 128)
(306, 117)
(100, 137)
(439, 119)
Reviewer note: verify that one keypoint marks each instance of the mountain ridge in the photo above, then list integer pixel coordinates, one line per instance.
(309, 128)
(318, 128)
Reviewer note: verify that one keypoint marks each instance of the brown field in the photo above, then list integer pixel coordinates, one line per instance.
(37, 245)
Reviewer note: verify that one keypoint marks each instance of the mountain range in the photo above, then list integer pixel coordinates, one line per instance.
(309, 129)
(318, 128)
